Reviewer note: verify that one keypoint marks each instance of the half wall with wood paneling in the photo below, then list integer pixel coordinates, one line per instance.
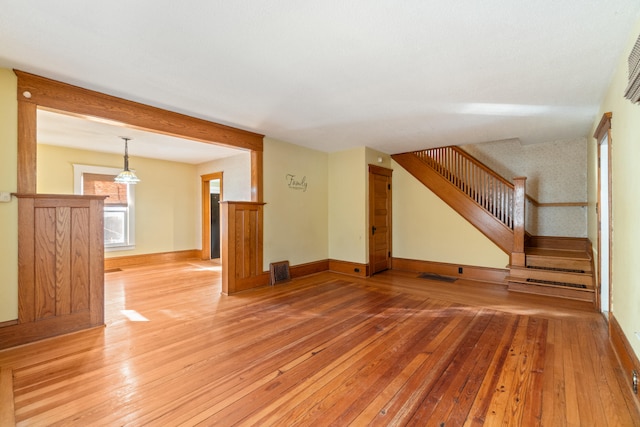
(60, 263)
(241, 229)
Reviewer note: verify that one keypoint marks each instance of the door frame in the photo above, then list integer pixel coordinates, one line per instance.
(604, 129)
(378, 170)
(206, 211)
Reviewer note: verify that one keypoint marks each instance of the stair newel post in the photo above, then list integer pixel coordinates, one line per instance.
(519, 201)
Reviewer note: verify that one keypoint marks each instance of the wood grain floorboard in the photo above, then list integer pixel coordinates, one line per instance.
(324, 349)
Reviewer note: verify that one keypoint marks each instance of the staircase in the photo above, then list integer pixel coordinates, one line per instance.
(553, 266)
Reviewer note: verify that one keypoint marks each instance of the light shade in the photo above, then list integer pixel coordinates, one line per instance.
(126, 176)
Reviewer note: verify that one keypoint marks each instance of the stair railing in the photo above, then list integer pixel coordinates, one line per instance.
(502, 199)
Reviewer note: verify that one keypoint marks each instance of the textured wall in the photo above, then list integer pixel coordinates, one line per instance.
(556, 172)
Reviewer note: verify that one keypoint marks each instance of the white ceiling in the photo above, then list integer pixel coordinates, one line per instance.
(106, 136)
(335, 74)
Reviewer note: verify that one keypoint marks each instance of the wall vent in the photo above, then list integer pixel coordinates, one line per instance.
(279, 272)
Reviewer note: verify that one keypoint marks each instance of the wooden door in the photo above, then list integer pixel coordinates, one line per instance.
(379, 219)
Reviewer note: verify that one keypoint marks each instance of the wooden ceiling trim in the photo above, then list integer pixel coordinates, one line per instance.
(56, 95)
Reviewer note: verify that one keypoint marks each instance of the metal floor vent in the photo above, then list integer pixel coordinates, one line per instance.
(565, 270)
(551, 282)
(438, 277)
(279, 272)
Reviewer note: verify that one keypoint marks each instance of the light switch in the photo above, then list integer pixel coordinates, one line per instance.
(5, 196)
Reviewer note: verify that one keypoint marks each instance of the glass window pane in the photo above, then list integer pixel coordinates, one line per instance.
(115, 230)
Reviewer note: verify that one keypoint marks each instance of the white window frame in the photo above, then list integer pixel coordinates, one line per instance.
(130, 225)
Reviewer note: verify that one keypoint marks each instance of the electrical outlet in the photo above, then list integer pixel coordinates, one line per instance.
(5, 196)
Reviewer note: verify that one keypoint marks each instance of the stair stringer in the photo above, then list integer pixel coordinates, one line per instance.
(469, 209)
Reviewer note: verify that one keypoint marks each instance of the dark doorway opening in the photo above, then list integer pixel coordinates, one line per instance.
(215, 226)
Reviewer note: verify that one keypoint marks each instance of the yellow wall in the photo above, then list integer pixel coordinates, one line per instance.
(625, 153)
(236, 175)
(347, 206)
(295, 221)
(8, 182)
(167, 217)
(426, 228)
(236, 181)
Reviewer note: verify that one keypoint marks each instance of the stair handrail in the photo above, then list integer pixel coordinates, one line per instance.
(488, 189)
(482, 166)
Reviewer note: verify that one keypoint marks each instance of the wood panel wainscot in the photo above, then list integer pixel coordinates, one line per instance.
(60, 267)
(241, 227)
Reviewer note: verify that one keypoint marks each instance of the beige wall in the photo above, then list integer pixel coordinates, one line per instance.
(295, 219)
(426, 228)
(8, 182)
(556, 172)
(347, 208)
(236, 177)
(236, 181)
(625, 147)
(348, 202)
(166, 197)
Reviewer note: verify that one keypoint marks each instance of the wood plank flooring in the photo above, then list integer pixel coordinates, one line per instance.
(323, 350)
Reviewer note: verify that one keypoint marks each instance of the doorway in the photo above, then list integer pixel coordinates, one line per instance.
(211, 196)
(603, 136)
(215, 218)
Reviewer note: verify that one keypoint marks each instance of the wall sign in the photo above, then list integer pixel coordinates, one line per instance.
(296, 183)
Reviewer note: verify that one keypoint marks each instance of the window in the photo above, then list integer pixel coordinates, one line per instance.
(119, 216)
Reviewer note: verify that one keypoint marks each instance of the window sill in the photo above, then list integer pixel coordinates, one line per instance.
(119, 248)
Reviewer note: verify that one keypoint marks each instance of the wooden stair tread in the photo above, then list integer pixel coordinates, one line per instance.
(523, 280)
(566, 243)
(524, 271)
(557, 253)
(552, 291)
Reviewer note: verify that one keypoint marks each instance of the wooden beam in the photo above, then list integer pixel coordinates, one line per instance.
(51, 94)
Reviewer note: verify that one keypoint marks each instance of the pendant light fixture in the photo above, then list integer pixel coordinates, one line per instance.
(126, 176)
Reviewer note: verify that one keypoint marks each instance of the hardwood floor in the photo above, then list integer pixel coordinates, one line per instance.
(326, 349)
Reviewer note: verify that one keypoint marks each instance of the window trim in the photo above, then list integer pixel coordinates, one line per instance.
(79, 170)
